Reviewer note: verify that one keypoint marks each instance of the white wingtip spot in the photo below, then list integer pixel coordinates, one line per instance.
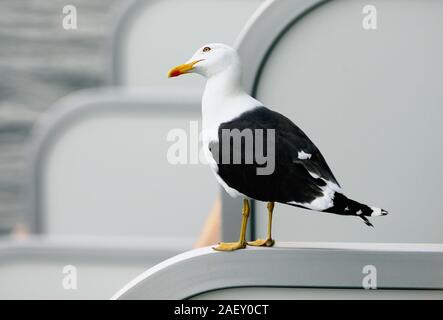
(303, 155)
(359, 212)
(378, 212)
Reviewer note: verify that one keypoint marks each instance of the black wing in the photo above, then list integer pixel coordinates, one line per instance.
(294, 178)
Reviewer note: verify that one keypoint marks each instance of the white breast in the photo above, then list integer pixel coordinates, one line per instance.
(218, 106)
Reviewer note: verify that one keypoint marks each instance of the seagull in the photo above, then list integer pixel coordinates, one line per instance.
(299, 175)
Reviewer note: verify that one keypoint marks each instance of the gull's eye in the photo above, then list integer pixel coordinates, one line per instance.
(206, 49)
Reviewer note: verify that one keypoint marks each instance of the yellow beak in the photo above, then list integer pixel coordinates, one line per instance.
(182, 69)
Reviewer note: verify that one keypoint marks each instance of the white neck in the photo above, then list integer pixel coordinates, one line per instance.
(224, 99)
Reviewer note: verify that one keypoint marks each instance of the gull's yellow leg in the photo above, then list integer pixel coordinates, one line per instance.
(268, 242)
(241, 243)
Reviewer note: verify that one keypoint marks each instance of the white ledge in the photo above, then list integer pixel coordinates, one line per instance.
(313, 265)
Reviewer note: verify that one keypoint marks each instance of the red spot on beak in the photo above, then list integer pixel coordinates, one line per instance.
(174, 73)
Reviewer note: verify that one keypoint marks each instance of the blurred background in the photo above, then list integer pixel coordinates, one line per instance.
(40, 62)
(89, 198)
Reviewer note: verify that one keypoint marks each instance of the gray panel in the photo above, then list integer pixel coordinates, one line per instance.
(33, 268)
(99, 103)
(270, 293)
(408, 266)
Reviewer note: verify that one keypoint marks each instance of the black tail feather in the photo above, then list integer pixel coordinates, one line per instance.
(345, 206)
(366, 221)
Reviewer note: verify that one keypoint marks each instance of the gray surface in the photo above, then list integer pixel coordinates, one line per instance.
(33, 268)
(269, 293)
(370, 100)
(135, 201)
(333, 265)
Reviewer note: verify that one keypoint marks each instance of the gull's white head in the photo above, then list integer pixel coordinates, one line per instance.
(209, 60)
